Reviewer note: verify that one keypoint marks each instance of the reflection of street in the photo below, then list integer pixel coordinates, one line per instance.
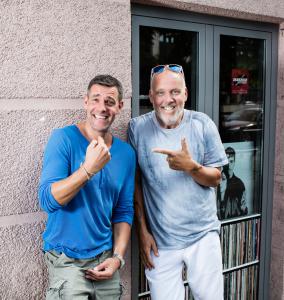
(231, 193)
(242, 122)
(247, 118)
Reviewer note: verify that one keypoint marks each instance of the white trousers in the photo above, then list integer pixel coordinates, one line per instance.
(204, 271)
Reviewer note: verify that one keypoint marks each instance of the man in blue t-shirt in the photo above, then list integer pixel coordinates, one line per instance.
(86, 188)
(179, 156)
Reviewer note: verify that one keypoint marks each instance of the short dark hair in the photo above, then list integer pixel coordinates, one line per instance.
(230, 151)
(107, 80)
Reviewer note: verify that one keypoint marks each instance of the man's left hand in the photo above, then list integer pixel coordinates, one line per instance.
(104, 270)
(180, 160)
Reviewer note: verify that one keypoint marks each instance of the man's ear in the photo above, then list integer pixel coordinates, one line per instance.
(120, 104)
(86, 98)
(151, 96)
(186, 93)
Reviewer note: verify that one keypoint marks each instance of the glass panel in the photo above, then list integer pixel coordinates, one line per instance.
(160, 46)
(241, 124)
(167, 46)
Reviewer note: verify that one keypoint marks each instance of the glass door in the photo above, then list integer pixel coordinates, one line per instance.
(240, 106)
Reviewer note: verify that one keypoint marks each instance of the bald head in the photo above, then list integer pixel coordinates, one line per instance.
(167, 74)
(168, 94)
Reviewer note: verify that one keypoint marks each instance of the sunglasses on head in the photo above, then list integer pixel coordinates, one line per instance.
(161, 68)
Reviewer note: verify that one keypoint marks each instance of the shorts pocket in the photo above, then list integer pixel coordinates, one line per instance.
(55, 291)
(53, 258)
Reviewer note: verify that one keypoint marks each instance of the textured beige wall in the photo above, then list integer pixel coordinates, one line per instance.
(49, 51)
(277, 247)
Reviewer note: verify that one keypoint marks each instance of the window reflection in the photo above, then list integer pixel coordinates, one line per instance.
(241, 124)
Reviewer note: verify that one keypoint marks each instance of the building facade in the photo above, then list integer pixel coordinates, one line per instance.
(49, 51)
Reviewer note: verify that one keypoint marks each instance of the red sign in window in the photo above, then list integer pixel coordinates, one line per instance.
(239, 83)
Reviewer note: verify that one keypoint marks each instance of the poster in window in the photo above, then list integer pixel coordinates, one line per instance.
(239, 84)
(235, 192)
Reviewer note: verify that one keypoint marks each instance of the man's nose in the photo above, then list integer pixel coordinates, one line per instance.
(101, 105)
(169, 97)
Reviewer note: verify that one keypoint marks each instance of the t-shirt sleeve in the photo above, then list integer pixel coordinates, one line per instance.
(214, 155)
(124, 211)
(56, 166)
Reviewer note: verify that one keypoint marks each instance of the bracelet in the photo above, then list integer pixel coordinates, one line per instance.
(89, 174)
(120, 258)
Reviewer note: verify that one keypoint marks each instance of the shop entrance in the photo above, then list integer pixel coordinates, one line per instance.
(229, 71)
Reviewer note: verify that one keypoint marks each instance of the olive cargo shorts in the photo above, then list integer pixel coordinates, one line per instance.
(67, 279)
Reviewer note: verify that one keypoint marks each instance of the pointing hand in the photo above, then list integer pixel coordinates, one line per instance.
(180, 160)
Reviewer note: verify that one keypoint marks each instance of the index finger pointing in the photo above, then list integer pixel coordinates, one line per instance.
(163, 151)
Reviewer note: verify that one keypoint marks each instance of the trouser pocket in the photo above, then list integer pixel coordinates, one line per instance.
(55, 290)
(53, 258)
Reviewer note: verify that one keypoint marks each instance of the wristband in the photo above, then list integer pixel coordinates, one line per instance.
(89, 174)
(120, 258)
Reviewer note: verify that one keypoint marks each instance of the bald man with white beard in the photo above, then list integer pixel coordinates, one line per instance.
(179, 158)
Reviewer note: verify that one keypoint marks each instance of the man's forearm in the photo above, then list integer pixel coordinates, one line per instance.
(121, 237)
(66, 189)
(140, 218)
(97, 156)
(206, 176)
(181, 160)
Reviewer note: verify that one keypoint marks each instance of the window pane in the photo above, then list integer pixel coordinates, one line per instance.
(160, 46)
(241, 124)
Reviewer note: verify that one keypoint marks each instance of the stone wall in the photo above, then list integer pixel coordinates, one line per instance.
(49, 52)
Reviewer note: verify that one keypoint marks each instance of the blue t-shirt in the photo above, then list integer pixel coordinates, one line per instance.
(83, 227)
(179, 210)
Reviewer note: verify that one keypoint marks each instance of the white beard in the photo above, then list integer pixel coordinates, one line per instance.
(170, 120)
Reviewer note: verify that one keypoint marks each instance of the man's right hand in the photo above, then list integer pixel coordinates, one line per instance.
(97, 156)
(147, 244)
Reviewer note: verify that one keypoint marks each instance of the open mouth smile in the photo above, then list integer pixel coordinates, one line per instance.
(168, 107)
(100, 117)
